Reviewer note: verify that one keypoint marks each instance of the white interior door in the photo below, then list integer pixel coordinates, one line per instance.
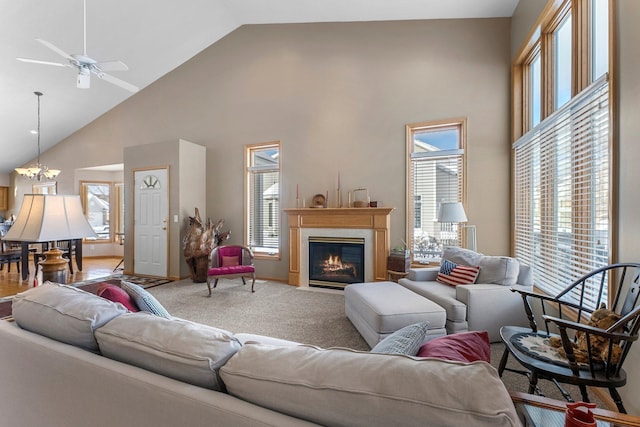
(151, 211)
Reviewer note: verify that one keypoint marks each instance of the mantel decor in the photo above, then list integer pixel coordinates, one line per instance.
(198, 243)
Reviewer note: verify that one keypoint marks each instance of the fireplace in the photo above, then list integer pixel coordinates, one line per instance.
(334, 262)
(370, 224)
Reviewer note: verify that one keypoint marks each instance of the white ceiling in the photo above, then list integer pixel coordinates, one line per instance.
(152, 38)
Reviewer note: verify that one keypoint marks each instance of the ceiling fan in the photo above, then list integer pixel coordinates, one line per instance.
(85, 64)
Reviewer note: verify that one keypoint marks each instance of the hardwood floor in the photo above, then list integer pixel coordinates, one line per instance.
(92, 268)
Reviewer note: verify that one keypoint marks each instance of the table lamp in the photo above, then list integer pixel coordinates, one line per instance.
(49, 218)
(454, 212)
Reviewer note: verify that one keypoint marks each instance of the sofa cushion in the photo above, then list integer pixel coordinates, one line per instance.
(403, 341)
(64, 313)
(144, 300)
(440, 294)
(117, 294)
(341, 387)
(499, 270)
(463, 347)
(453, 274)
(179, 349)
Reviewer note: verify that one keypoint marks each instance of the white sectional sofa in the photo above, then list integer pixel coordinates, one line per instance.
(485, 305)
(171, 372)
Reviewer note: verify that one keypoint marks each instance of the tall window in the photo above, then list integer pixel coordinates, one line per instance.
(562, 177)
(263, 199)
(96, 199)
(562, 62)
(435, 175)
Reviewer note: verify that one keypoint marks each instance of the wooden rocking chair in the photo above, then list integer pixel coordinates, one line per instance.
(568, 323)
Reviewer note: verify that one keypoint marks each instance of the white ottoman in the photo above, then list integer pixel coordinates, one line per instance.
(378, 309)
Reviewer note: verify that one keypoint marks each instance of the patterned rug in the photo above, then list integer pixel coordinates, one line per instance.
(145, 282)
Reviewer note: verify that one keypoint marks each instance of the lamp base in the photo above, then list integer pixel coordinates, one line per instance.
(54, 267)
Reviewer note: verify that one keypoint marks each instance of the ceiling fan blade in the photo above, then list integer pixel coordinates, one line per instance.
(57, 50)
(118, 82)
(112, 66)
(37, 61)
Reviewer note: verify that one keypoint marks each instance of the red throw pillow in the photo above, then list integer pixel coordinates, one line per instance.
(462, 347)
(229, 261)
(117, 294)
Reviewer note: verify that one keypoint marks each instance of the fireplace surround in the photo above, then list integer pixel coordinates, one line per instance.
(372, 224)
(335, 262)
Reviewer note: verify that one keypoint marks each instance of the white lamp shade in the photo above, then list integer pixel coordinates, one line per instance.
(46, 218)
(452, 212)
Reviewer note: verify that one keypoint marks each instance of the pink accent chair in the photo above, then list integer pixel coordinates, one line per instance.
(231, 261)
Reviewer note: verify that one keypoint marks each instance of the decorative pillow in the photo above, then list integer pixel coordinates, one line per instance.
(144, 300)
(117, 294)
(405, 341)
(461, 347)
(229, 261)
(453, 274)
(499, 270)
(179, 349)
(361, 389)
(64, 313)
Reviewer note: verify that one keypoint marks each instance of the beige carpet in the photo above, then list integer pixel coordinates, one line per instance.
(275, 309)
(283, 311)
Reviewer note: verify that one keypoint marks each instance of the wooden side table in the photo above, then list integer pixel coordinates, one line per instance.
(395, 275)
(537, 411)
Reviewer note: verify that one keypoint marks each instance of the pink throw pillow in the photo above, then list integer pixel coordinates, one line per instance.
(229, 261)
(462, 347)
(117, 294)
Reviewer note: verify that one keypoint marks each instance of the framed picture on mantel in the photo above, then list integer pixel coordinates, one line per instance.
(45, 188)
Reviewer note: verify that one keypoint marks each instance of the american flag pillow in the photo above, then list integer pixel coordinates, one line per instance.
(452, 274)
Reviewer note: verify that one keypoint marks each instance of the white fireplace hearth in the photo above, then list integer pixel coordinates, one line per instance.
(371, 224)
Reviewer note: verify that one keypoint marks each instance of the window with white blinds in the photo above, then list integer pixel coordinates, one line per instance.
(263, 199)
(562, 192)
(435, 175)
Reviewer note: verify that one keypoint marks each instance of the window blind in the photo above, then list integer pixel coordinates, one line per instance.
(433, 179)
(562, 192)
(263, 198)
(264, 210)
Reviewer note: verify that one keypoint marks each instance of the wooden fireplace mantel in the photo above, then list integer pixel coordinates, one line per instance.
(376, 219)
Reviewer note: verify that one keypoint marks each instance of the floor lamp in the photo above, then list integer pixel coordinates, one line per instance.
(454, 212)
(49, 218)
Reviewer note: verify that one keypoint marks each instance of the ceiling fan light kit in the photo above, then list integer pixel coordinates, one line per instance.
(85, 64)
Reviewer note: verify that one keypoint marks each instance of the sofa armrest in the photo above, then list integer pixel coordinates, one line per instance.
(427, 274)
(490, 307)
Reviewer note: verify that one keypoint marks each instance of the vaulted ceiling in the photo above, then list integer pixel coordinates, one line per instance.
(151, 38)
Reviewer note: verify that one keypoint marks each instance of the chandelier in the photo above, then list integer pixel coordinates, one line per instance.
(38, 172)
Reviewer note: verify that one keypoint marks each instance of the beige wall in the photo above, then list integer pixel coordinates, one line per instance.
(185, 164)
(338, 97)
(628, 78)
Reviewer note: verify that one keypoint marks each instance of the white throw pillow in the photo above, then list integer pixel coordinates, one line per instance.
(341, 387)
(64, 313)
(179, 349)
